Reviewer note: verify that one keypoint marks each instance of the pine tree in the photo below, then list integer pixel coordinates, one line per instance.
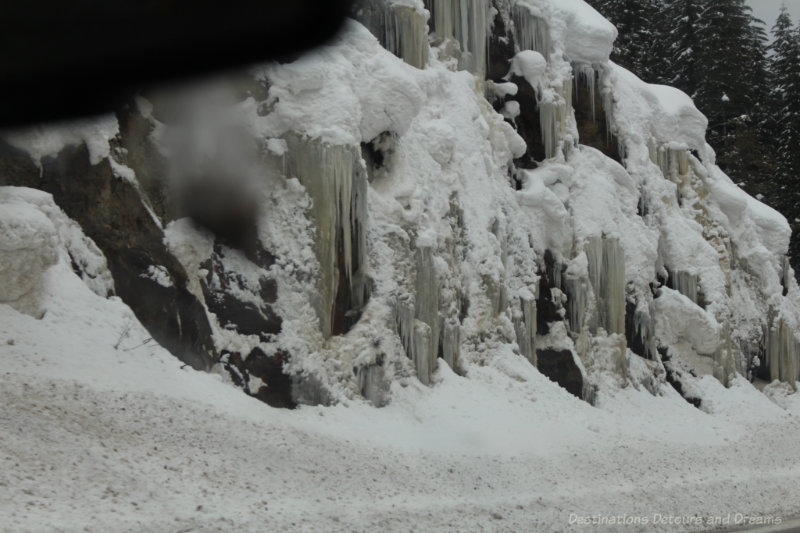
(638, 39)
(737, 121)
(784, 101)
(682, 18)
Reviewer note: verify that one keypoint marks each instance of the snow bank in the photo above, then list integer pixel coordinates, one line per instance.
(663, 114)
(47, 141)
(576, 28)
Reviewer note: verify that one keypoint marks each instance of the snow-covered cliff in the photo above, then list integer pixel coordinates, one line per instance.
(448, 183)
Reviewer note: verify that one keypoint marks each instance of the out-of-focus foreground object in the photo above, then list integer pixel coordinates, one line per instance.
(60, 61)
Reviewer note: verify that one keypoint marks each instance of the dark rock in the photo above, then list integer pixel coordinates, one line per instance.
(276, 387)
(676, 374)
(528, 124)
(559, 366)
(219, 289)
(501, 47)
(142, 155)
(547, 309)
(17, 167)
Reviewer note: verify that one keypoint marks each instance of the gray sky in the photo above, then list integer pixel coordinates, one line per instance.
(767, 10)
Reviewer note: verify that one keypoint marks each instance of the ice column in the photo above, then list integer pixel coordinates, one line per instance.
(400, 28)
(450, 341)
(555, 108)
(525, 326)
(782, 352)
(336, 181)
(686, 284)
(418, 322)
(607, 277)
(466, 21)
(426, 311)
(673, 162)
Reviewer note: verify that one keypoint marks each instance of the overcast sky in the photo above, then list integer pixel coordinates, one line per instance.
(767, 10)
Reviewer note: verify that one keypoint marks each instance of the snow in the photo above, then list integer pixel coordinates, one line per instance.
(680, 319)
(128, 440)
(159, 274)
(668, 113)
(530, 65)
(49, 140)
(321, 92)
(585, 35)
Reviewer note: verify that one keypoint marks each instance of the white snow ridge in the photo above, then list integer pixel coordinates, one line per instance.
(514, 293)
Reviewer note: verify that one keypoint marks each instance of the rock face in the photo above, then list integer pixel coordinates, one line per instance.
(471, 182)
(112, 213)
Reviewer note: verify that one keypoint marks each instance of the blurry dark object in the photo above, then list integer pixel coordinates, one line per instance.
(62, 60)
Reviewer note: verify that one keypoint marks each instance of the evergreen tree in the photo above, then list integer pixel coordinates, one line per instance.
(784, 100)
(636, 47)
(737, 96)
(682, 18)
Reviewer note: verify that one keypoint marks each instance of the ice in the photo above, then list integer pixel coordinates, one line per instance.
(686, 284)
(782, 352)
(555, 108)
(606, 263)
(335, 179)
(673, 162)
(466, 21)
(401, 28)
(586, 75)
(525, 326)
(426, 311)
(532, 32)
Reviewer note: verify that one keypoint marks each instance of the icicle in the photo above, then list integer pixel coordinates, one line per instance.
(532, 32)
(555, 108)
(411, 38)
(525, 326)
(585, 74)
(640, 328)
(427, 296)
(404, 319)
(724, 358)
(422, 346)
(336, 182)
(607, 276)
(653, 151)
(673, 162)
(400, 28)
(466, 21)
(782, 352)
(451, 341)
(418, 322)
(577, 297)
(686, 284)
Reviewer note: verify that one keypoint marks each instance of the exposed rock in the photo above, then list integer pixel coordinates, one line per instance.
(559, 366)
(528, 124)
(261, 376)
(220, 289)
(501, 47)
(111, 212)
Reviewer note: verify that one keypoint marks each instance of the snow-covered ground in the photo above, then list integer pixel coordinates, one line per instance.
(103, 431)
